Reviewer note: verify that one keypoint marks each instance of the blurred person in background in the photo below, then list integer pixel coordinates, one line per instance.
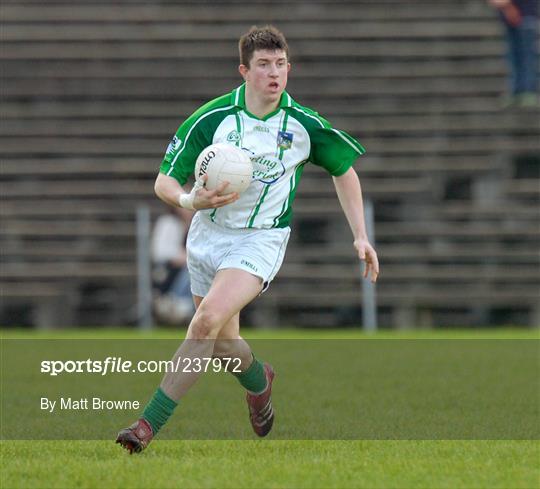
(520, 18)
(172, 291)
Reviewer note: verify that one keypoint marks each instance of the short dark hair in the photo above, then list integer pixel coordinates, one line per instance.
(267, 37)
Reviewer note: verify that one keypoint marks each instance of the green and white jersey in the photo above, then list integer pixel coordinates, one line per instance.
(279, 145)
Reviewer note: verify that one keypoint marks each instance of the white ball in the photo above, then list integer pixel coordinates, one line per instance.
(224, 162)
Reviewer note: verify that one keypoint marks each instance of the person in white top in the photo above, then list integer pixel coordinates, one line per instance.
(237, 242)
(170, 277)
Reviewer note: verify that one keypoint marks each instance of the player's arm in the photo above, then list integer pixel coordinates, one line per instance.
(349, 194)
(169, 190)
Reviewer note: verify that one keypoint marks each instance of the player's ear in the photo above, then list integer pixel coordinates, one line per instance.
(243, 69)
(288, 67)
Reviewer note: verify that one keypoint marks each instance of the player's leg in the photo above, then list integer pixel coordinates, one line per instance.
(229, 343)
(230, 291)
(261, 253)
(255, 376)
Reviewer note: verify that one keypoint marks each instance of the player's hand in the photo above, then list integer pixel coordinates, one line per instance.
(367, 254)
(211, 199)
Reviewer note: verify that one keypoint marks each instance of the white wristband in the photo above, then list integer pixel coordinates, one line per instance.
(186, 201)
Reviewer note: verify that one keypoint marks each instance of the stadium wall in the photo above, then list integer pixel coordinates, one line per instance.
(92, 92)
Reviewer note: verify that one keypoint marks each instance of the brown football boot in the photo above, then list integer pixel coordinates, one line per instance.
(137, 437)
(261, 412)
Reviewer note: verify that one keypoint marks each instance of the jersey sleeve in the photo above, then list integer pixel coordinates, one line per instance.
(184, 148)
(333, 149)
(195, 134)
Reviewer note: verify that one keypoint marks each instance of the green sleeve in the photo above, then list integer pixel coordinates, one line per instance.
(195, 134)
(182, 152)
(333, 149)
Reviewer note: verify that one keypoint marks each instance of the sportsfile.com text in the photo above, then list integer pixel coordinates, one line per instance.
(114, 365)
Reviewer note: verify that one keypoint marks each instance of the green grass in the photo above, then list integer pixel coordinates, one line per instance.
(281, 333)
(273, 463)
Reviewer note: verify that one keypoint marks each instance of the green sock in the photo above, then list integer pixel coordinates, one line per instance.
(254, 378)
(158, 410)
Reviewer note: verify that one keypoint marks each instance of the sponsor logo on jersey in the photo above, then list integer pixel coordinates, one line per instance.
(284, 139)
(261, 129)
(173, 145)
(267, 169)
(233, 137)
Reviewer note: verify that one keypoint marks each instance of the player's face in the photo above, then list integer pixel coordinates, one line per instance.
(267, 73)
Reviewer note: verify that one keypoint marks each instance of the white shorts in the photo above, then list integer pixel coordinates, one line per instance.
(211, 247)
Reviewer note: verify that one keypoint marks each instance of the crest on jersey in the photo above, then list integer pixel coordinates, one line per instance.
(233, 137)
(284, 139)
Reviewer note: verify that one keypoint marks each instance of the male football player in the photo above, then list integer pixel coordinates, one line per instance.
(236, 243)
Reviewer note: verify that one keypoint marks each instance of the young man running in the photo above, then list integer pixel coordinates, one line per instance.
(236, 243)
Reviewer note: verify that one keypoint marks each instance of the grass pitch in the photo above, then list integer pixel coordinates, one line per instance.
(275, 463)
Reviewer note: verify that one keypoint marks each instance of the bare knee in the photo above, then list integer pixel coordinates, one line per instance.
(206, 324)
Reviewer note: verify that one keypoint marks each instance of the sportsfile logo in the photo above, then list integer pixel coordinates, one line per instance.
(103, 367)
(117, 365)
